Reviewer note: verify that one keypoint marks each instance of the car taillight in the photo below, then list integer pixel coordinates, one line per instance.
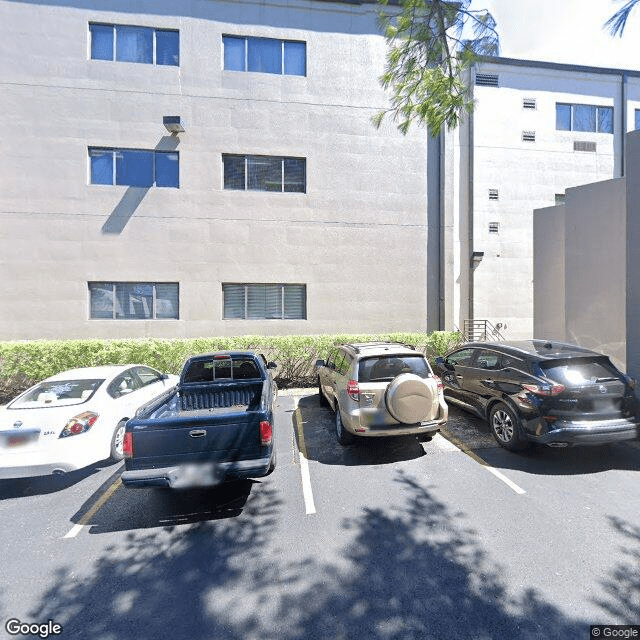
(544, 390)
(127, 445)
(353, 390)
(79, 424)
(439, 383)
(266, 432)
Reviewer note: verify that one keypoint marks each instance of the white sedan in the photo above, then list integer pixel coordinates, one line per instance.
(74, 418)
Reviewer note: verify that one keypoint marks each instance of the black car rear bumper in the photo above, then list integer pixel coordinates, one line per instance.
(563, 433)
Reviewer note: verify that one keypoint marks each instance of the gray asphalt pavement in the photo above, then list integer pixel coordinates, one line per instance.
(384, 539)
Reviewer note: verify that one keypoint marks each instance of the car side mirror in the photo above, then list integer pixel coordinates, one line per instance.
(443, 363)
(320, 363)
(272, 365)
(164, 376)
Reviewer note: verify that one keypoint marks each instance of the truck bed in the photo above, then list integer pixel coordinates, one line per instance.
(205, 431)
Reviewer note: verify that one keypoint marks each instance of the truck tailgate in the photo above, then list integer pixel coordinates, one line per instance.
(225, 437)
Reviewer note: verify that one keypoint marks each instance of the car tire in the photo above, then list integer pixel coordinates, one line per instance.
(323, 401)
(505, 428)
(117, 440)
(344, 437)
(409, 398)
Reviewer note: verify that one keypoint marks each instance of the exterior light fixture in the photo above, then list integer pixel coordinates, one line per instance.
(476, 258)
(173, 124)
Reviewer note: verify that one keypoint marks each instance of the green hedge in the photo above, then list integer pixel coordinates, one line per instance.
(25, 363)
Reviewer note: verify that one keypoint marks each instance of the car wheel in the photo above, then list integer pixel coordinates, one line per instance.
(323, 401)
(344, 437)
(117, 441)
(505, 428)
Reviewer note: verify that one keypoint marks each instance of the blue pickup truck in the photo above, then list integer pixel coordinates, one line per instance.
(215, 425)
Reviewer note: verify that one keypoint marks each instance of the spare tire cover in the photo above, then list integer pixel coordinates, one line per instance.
(409, 398)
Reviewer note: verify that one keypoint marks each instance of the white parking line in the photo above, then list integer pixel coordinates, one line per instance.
(498, 474)
(501, 476)
(309, 505)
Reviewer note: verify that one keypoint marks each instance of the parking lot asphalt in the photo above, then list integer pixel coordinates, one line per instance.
(388, 538)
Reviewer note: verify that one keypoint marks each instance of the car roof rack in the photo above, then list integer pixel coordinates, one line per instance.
(358, 346)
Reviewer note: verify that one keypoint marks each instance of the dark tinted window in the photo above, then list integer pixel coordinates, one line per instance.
(245, 369)
(148, 376)
(342, 363)
(580, 371)
(124, 384)
(387, 367)
(510, 361)
(463, 357)
(488, 359)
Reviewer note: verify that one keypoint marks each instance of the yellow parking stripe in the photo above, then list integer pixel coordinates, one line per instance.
(94, 509)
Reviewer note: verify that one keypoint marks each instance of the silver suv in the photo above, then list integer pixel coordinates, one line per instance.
(381, 389)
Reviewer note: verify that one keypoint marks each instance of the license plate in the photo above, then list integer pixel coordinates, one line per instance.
(18, 439)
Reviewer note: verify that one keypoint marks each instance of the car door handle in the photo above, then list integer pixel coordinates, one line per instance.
(487, 381)
(459, 376)
(198, 433)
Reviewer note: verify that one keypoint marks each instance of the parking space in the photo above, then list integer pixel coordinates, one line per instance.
(385, 512)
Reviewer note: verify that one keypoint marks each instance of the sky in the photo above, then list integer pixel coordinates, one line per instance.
(568, 31)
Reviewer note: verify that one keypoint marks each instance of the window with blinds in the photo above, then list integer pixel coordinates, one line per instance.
(264, 301)
(133, 300)
(265, 173)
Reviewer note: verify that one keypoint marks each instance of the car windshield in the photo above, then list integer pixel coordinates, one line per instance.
(56, 393)
(580, 371)
(382, 368)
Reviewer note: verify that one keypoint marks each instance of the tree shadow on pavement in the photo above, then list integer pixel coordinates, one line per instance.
(409, 572)
(130, 509)
(622, 586)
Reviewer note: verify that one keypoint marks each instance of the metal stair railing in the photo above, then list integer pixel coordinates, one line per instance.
(482, 330)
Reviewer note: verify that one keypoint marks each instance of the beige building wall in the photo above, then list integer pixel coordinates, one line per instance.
(357, 238)
(549, 273)
(580, 269)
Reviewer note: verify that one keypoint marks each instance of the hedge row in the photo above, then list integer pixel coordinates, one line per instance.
(25, 363)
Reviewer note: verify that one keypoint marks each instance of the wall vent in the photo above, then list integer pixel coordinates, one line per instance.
(528, 103)
(486, 79)
(493, 194)
(584, 145)
(494, 227)
(528, 136)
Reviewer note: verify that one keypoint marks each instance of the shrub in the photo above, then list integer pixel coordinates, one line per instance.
(25, 363)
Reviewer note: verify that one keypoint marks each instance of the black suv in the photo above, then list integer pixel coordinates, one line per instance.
(538, 391)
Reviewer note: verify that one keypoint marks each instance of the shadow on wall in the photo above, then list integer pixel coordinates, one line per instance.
(408, 573)
(133, 196)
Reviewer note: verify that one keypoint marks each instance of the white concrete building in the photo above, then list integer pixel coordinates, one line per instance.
(280, 208)
(538, 128)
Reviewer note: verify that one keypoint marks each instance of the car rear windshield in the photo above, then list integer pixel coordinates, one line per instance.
(223, 369)
(379, 368)
(57, 393)
(579, 371)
